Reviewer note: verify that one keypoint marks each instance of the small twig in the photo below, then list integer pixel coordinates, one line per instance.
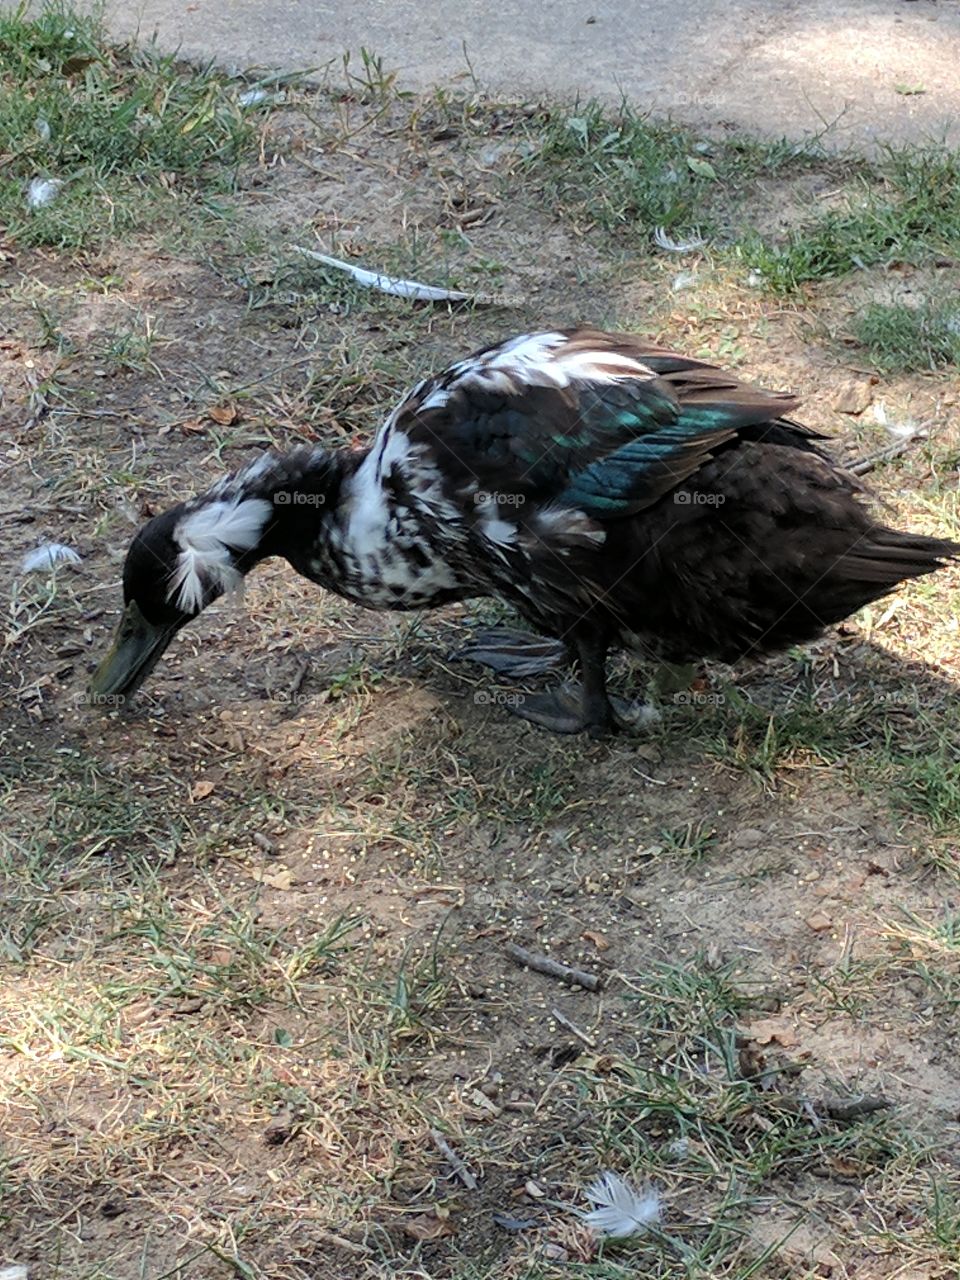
(854, 1108)
(90, 413)
(348, 1246)
(886, 454)
(454, 1161)
(302, 673)
(553, 968)
(573, 1028)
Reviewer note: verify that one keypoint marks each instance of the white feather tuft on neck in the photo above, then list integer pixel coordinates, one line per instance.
(208, 537)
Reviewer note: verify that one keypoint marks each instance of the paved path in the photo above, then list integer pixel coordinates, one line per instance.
(781, 66)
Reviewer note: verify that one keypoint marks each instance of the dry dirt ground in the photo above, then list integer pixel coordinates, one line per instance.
(253, 933)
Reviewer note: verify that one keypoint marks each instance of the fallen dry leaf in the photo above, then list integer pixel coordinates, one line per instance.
(281, 879)
(426, 1227)
(772, 1030)
(200, 790)
(224, 414)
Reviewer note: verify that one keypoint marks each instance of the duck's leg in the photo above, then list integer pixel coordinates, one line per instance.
(598, 717)
(585, 706)
(517, 654)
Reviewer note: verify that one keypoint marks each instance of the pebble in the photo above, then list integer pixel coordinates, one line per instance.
(853, 397)
(818, 922)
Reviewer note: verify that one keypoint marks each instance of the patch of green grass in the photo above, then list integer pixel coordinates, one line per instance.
(930, 948)
(761, 741)
(907, 208)
(918, 764)
(124, 132)
(904, 339)
(227, 958)
(873, 736)
(693, 841)
(367, 76)
(700, 1110)
(624, 168)
(930, 787)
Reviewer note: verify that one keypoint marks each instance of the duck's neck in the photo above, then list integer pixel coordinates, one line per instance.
(351, 539)
(292, 501)
(304, 489)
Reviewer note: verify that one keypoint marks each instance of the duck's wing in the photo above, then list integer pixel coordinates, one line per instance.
(603, 423)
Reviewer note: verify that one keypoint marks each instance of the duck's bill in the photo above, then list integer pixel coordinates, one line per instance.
(137, 648)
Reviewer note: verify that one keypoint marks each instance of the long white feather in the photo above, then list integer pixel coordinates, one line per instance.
(619, 1209)
(394, 285)
(208, 536)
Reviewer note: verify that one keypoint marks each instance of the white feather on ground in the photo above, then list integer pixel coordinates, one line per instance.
(899, 430)
(669, 245)
(619, 1209)
(47, 556)
(252, 97)
(394, 285)
(42, 191)
(684, 280)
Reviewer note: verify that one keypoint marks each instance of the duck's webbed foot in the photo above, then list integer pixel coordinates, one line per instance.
(569, 709)
(517, 654)
(584, 706)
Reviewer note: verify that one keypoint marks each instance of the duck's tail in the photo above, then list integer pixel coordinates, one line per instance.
(874, 565)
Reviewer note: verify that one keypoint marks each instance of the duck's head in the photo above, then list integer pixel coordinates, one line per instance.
(181, 561)
(178, 563)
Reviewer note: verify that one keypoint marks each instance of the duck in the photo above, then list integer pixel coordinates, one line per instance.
(615, 493)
